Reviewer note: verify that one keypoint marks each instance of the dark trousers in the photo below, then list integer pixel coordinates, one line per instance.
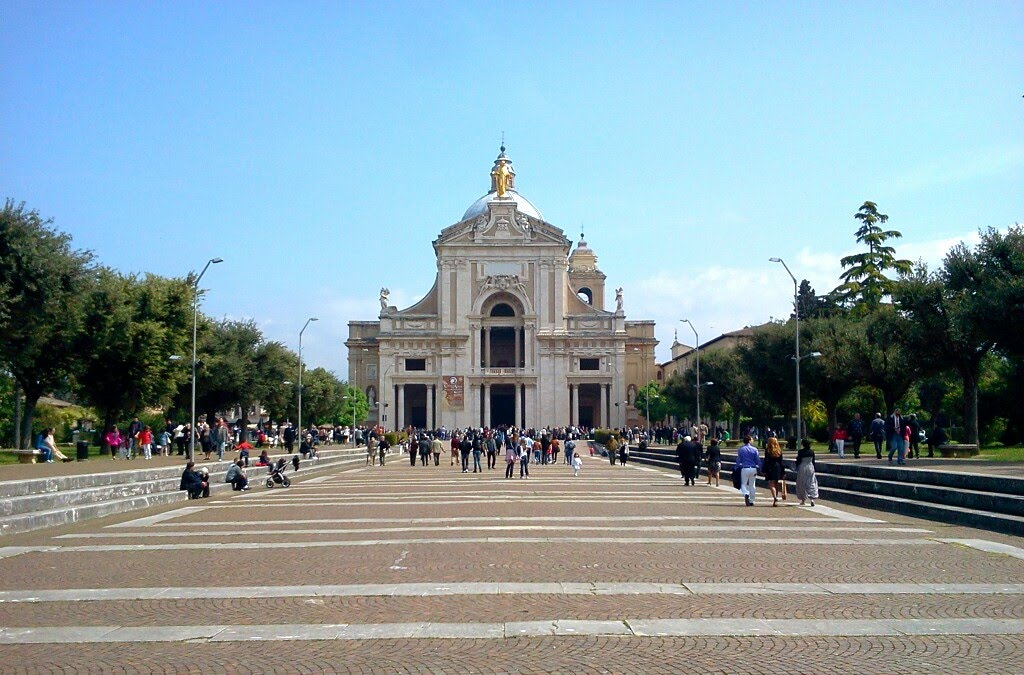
(437, 458)
(856, 438)
(510, 467)
(878, 448)
(492, 460)
(423, 458)
(412, 459)
(524, 468)
(465, 460)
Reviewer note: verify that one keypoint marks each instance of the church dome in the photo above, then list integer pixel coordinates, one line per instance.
(523, 205)
(503, 189)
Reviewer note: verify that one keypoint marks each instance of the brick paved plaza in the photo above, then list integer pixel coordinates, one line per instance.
(426, 569)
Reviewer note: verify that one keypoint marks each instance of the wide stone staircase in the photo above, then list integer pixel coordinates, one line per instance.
(33, 504)
(981, 500)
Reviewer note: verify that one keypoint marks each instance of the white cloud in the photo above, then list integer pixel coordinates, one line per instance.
(724, 297)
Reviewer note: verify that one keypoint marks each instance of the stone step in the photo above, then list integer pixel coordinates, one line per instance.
(137, 473)
(962, 497)
(999, 509)
(986, 520)
(58, 512)
(978, 482)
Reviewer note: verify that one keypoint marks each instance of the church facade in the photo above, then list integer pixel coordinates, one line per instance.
(514, 330)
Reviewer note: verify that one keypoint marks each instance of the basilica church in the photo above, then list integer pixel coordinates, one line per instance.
(514, 331)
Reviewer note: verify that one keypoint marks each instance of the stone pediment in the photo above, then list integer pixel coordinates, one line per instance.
(502, 224)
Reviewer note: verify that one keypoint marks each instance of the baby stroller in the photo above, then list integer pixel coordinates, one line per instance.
(277, 475)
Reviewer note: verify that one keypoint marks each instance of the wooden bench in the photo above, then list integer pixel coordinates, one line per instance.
(28, 456)
(958, 450)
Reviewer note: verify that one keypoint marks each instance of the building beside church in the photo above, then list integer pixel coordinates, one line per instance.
(514, 330)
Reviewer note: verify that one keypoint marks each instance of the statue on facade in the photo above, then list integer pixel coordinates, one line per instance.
(384, 293)
(618, 299)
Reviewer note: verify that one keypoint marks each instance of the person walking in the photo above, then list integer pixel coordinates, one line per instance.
(436, 447)
(914, 445)
(612, 446)
(774, 469)
(524, 458)
(144, 440)
(749, 461)
(511, 456)
(714, 461)
(221, 435)
(688, 456)
(894, 424)
(806, 480)
(478, 449)
(878, 434)
(371, 451)
(491, 446)
(839, 440)
(577, 463)
(424, 445)
(856, 428)
(383, 445)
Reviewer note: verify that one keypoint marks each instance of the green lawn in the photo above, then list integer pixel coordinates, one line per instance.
(1000, 453)
(7, 455)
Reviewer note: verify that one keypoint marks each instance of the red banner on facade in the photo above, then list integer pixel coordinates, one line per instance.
(454, 392)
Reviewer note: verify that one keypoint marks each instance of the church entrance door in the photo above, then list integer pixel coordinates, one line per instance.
(503, 405)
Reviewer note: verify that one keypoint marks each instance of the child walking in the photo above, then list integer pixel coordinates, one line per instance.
(577, 463)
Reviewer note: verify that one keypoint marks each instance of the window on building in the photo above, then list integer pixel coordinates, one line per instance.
(415, 364)
(590, 364)
(586, 295)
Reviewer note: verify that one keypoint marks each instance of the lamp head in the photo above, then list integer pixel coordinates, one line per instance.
(708, 384)
(216, 260)
(814, 354)
(313, 318)
(175, 357)
(774, 259)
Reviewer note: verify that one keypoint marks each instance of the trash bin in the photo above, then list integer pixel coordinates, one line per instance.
(82, 448)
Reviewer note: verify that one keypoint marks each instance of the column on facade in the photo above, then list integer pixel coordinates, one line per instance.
(430, 407)
(487, 347)
(517, 332)
(528, 332)
(487, 405)
(474, 411)
(574, 404)
(606, 417)
(400, 408)
(519, 405)
(530, 408)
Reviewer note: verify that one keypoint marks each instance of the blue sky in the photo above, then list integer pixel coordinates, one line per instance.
(319, 148)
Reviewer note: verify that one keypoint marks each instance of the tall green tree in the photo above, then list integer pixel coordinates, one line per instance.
(131, 326)
(864, 276)
(42, 280)
(275, 365)
(767, 359)
(322, 400)
(943, 331)
(652, 398)
(830, 377)
(227, 374)
(883, 355)
(355, 405)
(993, 276)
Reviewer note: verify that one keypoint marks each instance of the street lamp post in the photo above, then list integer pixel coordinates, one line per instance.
(697, 349)
(796, 339)
(647, 394)
(304, 326)
(195, 332)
